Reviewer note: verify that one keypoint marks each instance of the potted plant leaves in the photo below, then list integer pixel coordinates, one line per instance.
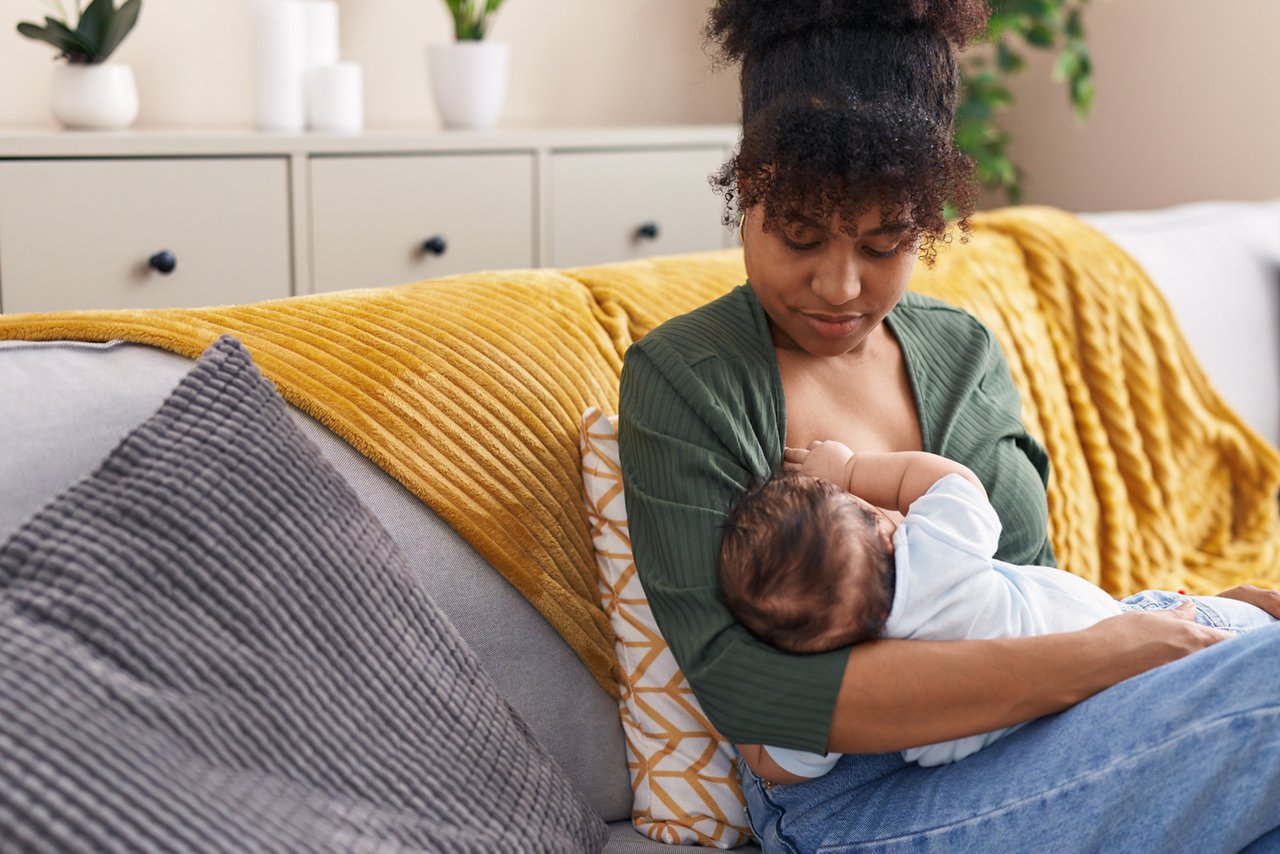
(90, 93)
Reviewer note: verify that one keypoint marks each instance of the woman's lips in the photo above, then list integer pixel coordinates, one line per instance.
(832, 326)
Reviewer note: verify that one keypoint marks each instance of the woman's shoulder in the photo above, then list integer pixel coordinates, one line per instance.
(931, 323)
(730, 329)
(943, 312)
(713, 368)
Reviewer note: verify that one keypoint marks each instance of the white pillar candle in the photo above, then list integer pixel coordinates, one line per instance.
(335, 100)
(321, 32)
(279, 53)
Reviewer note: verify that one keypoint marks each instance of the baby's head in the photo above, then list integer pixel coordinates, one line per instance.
(806, 566)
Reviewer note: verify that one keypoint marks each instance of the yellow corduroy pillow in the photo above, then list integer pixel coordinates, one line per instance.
(683, 778)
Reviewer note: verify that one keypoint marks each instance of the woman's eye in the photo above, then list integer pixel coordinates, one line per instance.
(799, 245)
(876, 253)
(800, 237)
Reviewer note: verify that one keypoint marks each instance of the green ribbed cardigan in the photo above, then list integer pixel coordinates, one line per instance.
(701, 413)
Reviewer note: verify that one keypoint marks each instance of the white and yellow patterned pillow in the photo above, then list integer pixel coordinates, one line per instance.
(683, 777)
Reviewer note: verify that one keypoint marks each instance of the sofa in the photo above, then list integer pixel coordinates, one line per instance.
(65, 404)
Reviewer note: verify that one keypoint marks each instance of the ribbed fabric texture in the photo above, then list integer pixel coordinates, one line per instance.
(210, 644)
(469, 391)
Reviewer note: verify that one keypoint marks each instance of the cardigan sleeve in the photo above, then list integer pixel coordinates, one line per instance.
(1014, 466)
(687, 449)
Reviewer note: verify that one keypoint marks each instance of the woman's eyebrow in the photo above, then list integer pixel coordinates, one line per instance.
(801, 219)
(888, 228)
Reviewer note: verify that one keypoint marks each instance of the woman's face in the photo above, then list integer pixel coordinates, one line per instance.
(824, 291)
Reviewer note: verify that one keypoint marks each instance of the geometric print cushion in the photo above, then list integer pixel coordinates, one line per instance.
(685, 786)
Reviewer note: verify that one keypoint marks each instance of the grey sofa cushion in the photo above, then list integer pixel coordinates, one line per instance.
(214, 643)
(63, 406)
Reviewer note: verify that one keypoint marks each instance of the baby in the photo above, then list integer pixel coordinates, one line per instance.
(810, 562)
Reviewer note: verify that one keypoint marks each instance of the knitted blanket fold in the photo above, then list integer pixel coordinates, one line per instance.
(469, 391)
(1156, 482)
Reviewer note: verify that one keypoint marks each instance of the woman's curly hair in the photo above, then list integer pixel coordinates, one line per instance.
(848, 104)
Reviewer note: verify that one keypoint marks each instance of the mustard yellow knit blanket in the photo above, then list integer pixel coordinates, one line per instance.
(469, 391)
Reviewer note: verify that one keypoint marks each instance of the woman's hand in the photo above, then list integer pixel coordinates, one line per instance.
(1153, 638)
(1267, 600)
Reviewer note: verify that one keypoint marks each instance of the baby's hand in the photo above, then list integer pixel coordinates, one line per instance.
(828, 460)
(793, 458)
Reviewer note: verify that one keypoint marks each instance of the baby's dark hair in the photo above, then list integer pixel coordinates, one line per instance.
(846, 105)
(785, 569)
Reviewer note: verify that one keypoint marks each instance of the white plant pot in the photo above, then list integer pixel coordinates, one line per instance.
(94, 97)
(469, 80)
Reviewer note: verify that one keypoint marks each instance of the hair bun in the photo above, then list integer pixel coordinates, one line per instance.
(743, 27)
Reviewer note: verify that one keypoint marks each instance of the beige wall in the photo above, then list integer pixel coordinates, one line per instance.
(1188, 108)
(1188, 105)
(574, 62)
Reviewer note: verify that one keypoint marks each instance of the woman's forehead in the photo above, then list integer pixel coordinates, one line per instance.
(874, 221)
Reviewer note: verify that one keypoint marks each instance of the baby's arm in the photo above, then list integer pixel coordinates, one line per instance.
(893, 479)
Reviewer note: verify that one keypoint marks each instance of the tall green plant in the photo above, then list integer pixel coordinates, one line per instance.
(99, 29)
(1055, 25)
(470, 17)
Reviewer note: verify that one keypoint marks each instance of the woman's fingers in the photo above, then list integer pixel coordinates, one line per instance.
(1187, 611)
(1267, 600)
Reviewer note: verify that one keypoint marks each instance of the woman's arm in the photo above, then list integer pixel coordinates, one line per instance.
(962, 688)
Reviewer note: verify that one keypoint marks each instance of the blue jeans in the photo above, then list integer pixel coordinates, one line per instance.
(1185, 757)
(1210, 610)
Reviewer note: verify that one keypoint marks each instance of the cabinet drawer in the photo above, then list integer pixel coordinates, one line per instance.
(78, 234)
(371, 217)
(617, 205)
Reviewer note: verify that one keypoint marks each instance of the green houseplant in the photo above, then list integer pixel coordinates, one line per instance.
(99, 29)
(88, 92)
(1015, 25)
(469, 74)
(470, 17)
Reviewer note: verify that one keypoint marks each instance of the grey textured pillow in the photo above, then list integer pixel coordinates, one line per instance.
(211, 644)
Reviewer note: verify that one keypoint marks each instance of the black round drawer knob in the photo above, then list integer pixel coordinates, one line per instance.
(435, 245)
(163, 262)
(648, 231)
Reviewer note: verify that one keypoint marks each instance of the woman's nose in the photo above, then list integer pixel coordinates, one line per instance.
(838, 282)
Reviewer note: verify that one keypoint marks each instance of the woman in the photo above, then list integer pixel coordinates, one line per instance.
(845, 164)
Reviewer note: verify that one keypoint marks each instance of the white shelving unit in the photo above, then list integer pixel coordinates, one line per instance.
(85, 218)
